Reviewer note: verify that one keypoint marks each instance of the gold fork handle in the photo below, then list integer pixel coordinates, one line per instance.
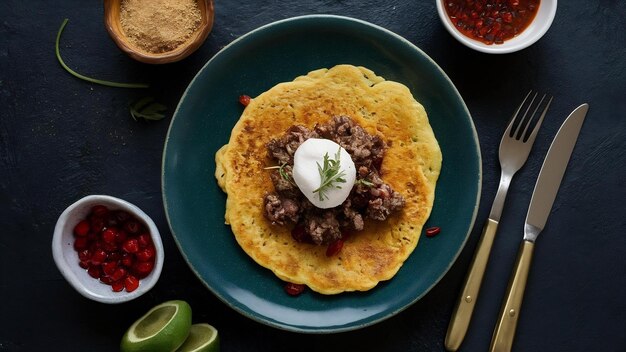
(504, 332)
(462, 314)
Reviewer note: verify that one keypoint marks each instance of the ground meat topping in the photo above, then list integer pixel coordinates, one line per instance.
(323, 227)
(365, 149)
(370, 198)
(281, 210)
(284, 148)
(285, 186)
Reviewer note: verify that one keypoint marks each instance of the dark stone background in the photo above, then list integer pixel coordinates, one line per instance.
(62, 138)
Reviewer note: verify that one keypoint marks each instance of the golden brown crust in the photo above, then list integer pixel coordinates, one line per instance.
(411, 166)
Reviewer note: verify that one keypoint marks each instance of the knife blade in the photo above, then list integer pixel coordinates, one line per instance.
(552, 172)
(544, 194)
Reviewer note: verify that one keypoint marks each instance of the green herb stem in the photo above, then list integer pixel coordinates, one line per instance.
(283, 173)
(89, 79)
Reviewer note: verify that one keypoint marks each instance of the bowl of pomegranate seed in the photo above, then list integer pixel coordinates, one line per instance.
(108, 249)
(497, 26)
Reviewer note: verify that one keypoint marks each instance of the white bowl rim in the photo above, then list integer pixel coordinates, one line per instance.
(70, 273)
(520, 42)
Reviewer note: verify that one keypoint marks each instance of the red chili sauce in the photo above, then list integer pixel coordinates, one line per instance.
(491, 21)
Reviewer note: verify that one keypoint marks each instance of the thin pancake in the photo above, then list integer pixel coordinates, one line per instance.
(411, 166)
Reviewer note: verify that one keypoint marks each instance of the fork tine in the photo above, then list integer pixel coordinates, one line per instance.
(523, 123)
(533, 134)
(507, 132)
(524, 135)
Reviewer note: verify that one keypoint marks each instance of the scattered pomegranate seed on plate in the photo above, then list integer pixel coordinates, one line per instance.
(244, 100)
(294, 289)
(432, 231)
(334, 248)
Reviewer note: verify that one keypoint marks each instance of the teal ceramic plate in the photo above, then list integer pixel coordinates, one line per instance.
(208, 110)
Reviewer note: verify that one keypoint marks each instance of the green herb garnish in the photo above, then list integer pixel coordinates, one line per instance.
(148, 109)
(89, 79)
(330, 174)
(364, 182)
(281, 170)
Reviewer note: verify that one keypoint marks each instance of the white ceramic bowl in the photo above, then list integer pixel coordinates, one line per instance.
(66, 257)
(537, 28)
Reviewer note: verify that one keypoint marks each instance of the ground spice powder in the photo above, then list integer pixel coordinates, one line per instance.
(159, 26)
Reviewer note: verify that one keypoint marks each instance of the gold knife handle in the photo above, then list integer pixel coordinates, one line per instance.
(462, 314)
(504, 332)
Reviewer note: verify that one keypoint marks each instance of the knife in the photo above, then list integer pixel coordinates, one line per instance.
(546, 188)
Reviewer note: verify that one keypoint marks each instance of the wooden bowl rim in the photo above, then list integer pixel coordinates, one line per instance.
(181, 52)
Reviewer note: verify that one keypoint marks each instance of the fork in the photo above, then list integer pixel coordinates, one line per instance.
(516, 143)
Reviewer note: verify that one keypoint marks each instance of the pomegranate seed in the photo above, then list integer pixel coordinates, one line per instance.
(145, 254)
(127, 260)
(122, 216)
(106, 279)
(131, 226)
(84, 255)
(111, 220)
(92, 237)
(144, 240)
(97, 224)
(99, 210)
(117, 286)
(131, 283)
(97, 244)
(98, 257)
(131, 246)
(294, 289)
(120, 236)
(109, 235)
(334, 248)
(432, 231)
(114, 256)
(80, 243)
(118, 274)
(83, 264)
(82, 228)
(94, 271)
(142, 269)
(244, 100)
(109, 268)
(109, 247)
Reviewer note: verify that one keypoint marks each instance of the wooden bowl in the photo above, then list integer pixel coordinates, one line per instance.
(112, 9)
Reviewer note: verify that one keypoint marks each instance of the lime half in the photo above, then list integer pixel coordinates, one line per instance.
(163, 328)
(202, 338)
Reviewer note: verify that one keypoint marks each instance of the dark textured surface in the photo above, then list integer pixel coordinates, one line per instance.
(61, 138)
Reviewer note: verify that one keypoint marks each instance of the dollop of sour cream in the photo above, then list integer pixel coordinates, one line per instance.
(308, 178)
